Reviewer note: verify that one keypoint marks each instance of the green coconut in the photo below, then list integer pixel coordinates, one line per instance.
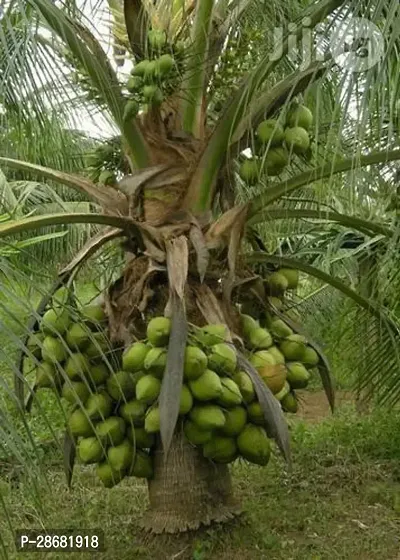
(134, 356)
(276, 160)
(186, 400)
(55, 321)
(220, 449)
(231, 395)
(245, 384)
(120, 456)
(75, 392)
(300, 116)
(222, 359)
(151, 72)
(134, 412)
(131, 109)
(153, 94)
(277, 355)
(292, 276)
(195, 362)
(194, 434)
(158, 331)
(53, 350)
(254, 445)
(165, 64)
(111, 431)
(235, 421)
(293, 348)
(98, 345)
(46, 375)
(142, 465)
(270, 131)
(77, 366)
(79, 424)
(148, 389)
(289, 403)
(260, 338)
(140, 68)
(310, 356)
(120, 386)
(297, 139)
(283, 392)
(94, 315)
(156, 361)
(277, 283)
(98, 374)
(108, 476)
(34, 345)
(90, 450)
(207, 417)
(297, 375)
(248, 324)
(134, 84)
(255, 414)
(275, 302)
(98, 406)
(140, 438)
(157, 39)
(261, 359)
(280, 329)
(209, 335)
(206, 387)
(249, 171)
(61, 296)
(152, 420)
(78, 336)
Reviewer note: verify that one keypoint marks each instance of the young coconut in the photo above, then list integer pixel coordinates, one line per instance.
(231, 395)
(79, 424)
(297, 139)
(289, 403)
(77, 366)
(195, 363)
(292, 276)
(148, 389)
(75, 392)
(283, 392)
(235, 421)
(297, 375)
(254, 445)
(207, 417)
(111, 431)
(293, 347)
(270, 131)
(98, 374)
(248, 324)
(108, 476)
(300, 116)
(98, 406)
(152, 420)
(55, 321)
(280, 329)
(134, 356)
(186, 400)
(310, 356)
(194, 434)
(77, 336)
(212, 334)
(277, 283)
(156, 361)
(120, 386)
(140, 68)
(93, 315)
(259, 339)
(142, 465)
(245, 385)
(222, 359)
(158, 331)
(46, 375)
(140, 438)
(120, 456)
(206, 387)
(277, 355)
(90, 450)
(53, 350)
(133, 412)
(249, 171)
(255, 414)
(220, 449)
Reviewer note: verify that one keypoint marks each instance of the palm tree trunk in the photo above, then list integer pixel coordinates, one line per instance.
(187, 490)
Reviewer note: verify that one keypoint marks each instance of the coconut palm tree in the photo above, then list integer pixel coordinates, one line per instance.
(187, 120)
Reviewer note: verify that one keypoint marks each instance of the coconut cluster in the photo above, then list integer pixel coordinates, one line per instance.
(277, 139)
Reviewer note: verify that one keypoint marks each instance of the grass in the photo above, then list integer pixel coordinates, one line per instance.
(342, 501)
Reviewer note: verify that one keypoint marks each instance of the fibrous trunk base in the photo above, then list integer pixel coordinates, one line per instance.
(187, 490)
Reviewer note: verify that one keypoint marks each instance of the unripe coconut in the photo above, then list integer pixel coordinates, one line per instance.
(261, 359)
(90, 450)
(280, 329)
(283, 392)
(34, 345)
(46, 375)
(75, 392)
(297, 375)
(235, 421)
(275, 161)
(255, 414)
(310, 356)
(289, 403)
(152, 94)
(231, 395)
(156, 361)
(207, 417)
(254, 445)
(249, 171)
(77, 336)
(300, 116)
(94, 315)
(222, 359)
(133, 412)
(151, 72)
(142, 465)
(157, 39)
(134, 83)
(220, 449)
(98, 406)
(194, 434)
(165, 64)
(60, 297)
(77, 366)
(275, 302)
(98, 374)
(291, 275)
(195, 363)
(137, 376)
(297, 139)
(248, 324)
(79, 424)
(212, 334)
(53, 350)
(55, 321)
(158, 331)
(131, 109)
(140, 438)
(270, 131)
(245, 385)
(107, 177)
(134, 356)
(260, 338)
(277, 355)
(98, 345)
(152, 420)
(207, 387)
(140, 68)
(148, 389)
(293, 348)
(186, 400)
(120, 456)
(120, 386)
(277, 283)
(274, 377)
(111, 431)
(108, 476)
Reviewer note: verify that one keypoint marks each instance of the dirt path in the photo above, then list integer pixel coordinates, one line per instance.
(314, 406)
